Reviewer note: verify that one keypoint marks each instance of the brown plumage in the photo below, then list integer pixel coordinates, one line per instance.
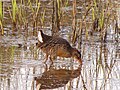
(57, 46)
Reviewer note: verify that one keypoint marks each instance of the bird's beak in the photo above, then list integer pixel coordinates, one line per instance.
(80, 61)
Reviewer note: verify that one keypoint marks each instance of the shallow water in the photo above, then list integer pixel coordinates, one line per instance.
(100, 69)
(22, 63)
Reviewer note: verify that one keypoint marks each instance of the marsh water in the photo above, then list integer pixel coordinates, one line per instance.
(22, 63)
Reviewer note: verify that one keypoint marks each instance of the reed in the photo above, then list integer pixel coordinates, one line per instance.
(14, 10)
(14, 14)
(23, 17)
(53, 12)
(66, 3)
(95, 16)
(1, 18)
(59, 6)
(74, 22)
(117, 31)
(35, 13)
(1, 56)
(43, 17)
(103, 33)
(101, 20)
(38, 8)
(93, 13)
(21, 12)
(1, 10)
(56, 17)
(2, 29)
(80, 35)
(58, 12)
(30, 5)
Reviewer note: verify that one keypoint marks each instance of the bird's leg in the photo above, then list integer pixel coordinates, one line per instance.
(46, 67)
(46, 58)
(51, 59)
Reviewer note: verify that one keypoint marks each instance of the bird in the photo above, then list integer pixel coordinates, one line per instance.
(54, 46)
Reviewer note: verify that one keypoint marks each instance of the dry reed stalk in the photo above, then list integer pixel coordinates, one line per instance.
(56, 17)
(74, 37)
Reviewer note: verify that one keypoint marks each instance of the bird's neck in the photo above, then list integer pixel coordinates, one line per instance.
(46, 37)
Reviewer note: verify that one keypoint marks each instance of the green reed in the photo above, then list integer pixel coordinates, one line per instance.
(1, 10)
(35, 13)
(14, 10)
(95, 16)
(43, 17)
(93, 13)
(1, 17)
(98, 17)
(101, 19)
(14, 14)
(59, 6)
(30, 5)
(34, 10)
(66, 3)
(21, 15)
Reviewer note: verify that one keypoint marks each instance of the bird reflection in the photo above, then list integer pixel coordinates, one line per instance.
(54, 78)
